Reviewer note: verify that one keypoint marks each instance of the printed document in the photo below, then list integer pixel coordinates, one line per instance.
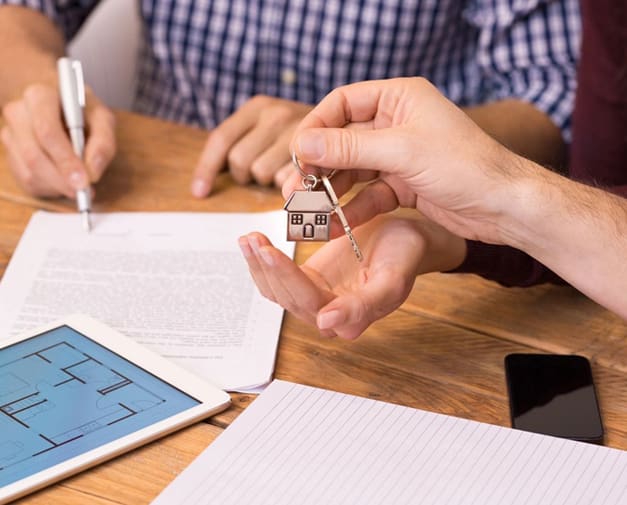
(298, 444)
(176, 282)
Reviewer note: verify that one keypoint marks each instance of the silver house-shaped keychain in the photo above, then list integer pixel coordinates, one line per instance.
(309, 211)
(308, 215)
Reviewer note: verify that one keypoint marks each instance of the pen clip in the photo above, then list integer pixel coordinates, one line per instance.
(80, 82)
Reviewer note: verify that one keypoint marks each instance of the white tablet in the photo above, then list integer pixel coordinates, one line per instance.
(75, 393)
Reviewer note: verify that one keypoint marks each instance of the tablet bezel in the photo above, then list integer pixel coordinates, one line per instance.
(212, 400)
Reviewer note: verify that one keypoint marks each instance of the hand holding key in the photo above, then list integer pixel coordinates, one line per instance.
(417, 150)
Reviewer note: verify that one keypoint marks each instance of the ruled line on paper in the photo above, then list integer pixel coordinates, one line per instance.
(298, 444)
(219, 473)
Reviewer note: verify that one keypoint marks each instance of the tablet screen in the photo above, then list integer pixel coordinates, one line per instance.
(62, 394)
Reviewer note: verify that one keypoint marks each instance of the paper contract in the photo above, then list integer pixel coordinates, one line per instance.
(175, 282)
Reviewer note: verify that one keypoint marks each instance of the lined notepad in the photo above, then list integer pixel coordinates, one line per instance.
(301, 445)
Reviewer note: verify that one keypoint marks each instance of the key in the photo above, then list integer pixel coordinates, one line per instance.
(340, 214)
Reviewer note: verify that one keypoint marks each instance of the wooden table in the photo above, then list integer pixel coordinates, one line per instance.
(442, 350)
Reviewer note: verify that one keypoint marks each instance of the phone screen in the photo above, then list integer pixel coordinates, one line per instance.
(554, 395)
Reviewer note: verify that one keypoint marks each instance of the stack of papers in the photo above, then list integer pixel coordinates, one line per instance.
(176, 282)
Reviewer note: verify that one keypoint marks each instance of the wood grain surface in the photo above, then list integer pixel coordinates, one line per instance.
(443, 350)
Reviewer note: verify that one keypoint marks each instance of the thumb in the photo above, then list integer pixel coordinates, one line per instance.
(349, 314)
(342, 148)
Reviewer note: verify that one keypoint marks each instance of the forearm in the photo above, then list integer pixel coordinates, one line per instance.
(29, 45)
(528, 131)
(522, 128)
(578, 231)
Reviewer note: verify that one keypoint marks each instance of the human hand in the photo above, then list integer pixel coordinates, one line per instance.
(39, 150)
(342, 296)
(253, 143)
(420, 150)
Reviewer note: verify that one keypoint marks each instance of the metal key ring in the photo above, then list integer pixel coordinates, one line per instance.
(310, 181)
(296, 163)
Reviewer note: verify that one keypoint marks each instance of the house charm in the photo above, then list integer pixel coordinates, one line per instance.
(308, 215)
(309, 211)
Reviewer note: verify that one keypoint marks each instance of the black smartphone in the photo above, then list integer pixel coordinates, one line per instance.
(554, 395)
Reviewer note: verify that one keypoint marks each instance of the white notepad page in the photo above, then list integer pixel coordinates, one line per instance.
(175, 282)
(302, 445)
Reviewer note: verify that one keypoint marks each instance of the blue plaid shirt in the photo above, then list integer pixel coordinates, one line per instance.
(202, 59)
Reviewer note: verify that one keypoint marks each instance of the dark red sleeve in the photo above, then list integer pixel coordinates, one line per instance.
(599, 149)
(598, 154)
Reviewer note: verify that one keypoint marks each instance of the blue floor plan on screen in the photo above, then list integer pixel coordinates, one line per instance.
(62, 394)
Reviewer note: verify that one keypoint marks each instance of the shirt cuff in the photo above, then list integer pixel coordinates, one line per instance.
(508, 266)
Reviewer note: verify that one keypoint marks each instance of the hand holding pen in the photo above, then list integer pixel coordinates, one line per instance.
(37, 145)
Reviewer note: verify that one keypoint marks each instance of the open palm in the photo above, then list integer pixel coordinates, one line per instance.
(332, 289)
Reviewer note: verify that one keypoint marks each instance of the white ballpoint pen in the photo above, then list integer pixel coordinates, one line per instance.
(72, 90)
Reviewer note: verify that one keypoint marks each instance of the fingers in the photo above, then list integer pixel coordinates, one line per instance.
(41, 153)
(276, 157)
(283, 174)
(292, 182)
(101, 144)
(383, 102)
(42, 104)
(45, 185)
(220, 141)
(32, 164)
(344, 148)
(350, 314)
(281, 280)
(254, 266)
(384, 290)
(341, 298)
(244, 158)
(394, 253)
(253, 142)
(347, 104)
(374, 199)
(326, 137)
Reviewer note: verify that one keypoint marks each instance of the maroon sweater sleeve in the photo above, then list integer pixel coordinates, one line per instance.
(598, 154)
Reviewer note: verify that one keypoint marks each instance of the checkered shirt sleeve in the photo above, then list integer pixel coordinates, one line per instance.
(528, 50)
(68, 15)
